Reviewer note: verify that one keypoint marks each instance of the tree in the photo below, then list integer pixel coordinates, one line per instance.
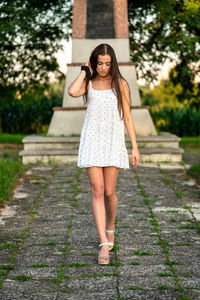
(165, 29)
(31, 33)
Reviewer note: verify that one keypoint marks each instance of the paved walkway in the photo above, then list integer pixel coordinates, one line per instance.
(49, 242)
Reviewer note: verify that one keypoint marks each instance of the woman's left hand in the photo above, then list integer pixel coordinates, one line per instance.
(135, 157)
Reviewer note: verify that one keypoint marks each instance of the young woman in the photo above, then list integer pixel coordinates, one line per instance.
(102, 149)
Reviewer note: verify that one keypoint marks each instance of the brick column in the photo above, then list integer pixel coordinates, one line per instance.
(121, 19)
(79, 19)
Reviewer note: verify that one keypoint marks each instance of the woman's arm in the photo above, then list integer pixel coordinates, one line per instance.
(77, 87)
(128, 121)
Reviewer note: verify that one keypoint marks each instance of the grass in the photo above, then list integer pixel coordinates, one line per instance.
(77, 265)
(190, 140)
(172, 262)
(188, 226)
(163, 243)
(115, 264)
(163, 287)
(22, 278)
(88, 254)
(32, 213)
(49, 244)
(67, 291)
(7, 267)
(141, 253)
(57, 280)
(8, 246)
(135, 288)
(135, 263)
(179, 194)
(167, 181)
(184, 297)
(165, 275)
(11, 138)
(194, 171)
(10, 171)
(136, 211)
(104, 274)
(37, 266)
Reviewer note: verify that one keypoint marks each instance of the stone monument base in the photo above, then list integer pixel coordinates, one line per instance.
(44, 149)
(67, 121)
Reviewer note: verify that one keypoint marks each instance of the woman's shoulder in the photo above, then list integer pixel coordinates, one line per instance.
(123, 84)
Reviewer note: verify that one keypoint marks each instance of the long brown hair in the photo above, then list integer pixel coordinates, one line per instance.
(104, 49)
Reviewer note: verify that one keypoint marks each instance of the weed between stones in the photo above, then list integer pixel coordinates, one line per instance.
(88, 254)
(163, 244)
(179, 194)
(33, 213)
(165, 275)
(78, 265)
(65, 181)
(67, 291)
(184, 244)
(104, 274)
(37, 266)
(191, 287)
(163, 287)
(167, 181)
(135, 263)
(7, 267)
(142, 253)
(49, 244)
(136, 211)
(135, 288)
(9, 245)
(22, 278)
(189, 226)
(172, 262)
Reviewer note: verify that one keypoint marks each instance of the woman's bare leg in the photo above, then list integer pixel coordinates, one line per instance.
(96, 179)
(111, 202)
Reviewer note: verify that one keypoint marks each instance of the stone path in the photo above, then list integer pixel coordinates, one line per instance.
(49, 242)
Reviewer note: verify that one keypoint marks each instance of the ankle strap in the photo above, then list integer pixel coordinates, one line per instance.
(110, 230)
(106, 243)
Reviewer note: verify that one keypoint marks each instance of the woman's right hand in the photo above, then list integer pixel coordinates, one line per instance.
(89, 65)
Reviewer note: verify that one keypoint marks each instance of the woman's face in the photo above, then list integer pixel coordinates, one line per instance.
(103, 64)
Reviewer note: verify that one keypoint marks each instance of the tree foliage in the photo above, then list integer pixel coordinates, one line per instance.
(31, 33)
(165, 29)
(172, 94)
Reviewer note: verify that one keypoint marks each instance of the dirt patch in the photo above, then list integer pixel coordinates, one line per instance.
(8, 146)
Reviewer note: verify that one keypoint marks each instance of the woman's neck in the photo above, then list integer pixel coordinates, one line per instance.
(103, 78)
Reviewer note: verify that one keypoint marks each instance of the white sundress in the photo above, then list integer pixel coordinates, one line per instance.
(102, 141)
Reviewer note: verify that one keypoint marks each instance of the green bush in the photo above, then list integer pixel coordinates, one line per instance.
(27, 116)
(182, 122)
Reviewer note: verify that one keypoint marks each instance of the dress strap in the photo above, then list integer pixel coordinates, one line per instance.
(90, 85)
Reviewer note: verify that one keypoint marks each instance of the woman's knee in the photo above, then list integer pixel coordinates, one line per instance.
(97, 190)
(109, 193)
